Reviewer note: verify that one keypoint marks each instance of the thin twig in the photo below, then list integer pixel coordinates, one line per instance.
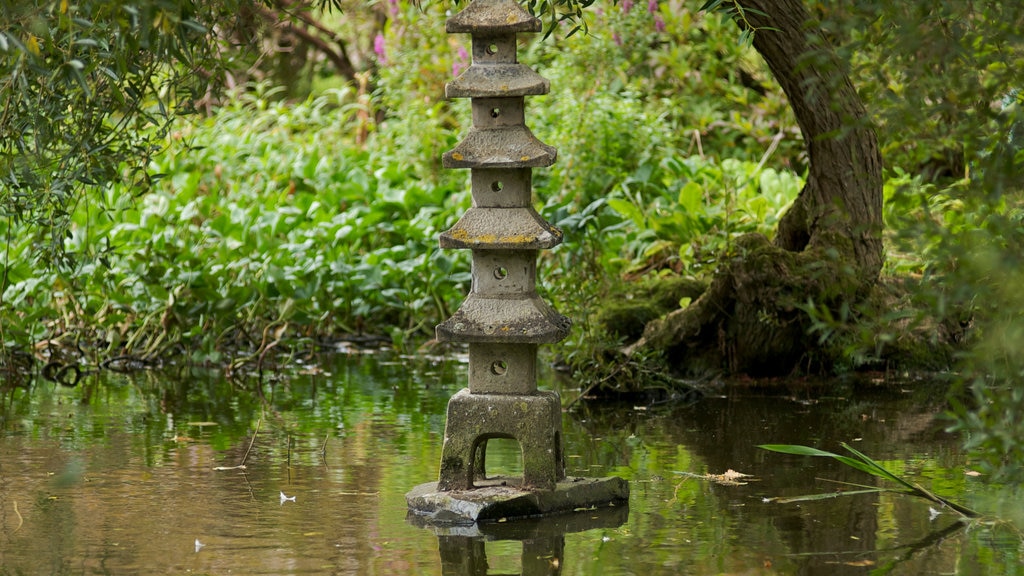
(594, 384)
(245, 457)
(20, 519)
(771, 149)
(253, 441)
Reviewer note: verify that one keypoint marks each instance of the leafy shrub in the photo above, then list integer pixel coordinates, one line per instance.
(269, 217)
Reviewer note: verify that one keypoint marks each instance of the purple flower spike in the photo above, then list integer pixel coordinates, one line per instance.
(652, 6)
(379, 48)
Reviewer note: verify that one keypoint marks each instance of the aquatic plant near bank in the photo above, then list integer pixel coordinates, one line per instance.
(269, 222)
(860, 461)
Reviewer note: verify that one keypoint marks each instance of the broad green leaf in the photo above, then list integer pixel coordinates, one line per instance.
(691, 197)
(627, 209)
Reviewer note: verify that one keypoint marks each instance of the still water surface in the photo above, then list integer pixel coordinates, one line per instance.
(139, 475)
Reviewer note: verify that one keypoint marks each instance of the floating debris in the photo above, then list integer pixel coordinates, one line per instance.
(286, 498)
(728, 478)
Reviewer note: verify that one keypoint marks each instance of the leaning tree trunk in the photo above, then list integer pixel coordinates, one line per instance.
(828, 247)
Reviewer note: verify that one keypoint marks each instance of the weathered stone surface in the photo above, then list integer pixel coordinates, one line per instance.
(499, 112)
(534, 420)
(505, 272)
(497, 80)
(502, 187)
(496, 502)
(608, 514)
(502, 368)
(484, 17)
(501, 229)
(526, 320)
(505, 147)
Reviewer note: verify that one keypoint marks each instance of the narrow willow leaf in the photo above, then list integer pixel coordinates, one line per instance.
(710, 5)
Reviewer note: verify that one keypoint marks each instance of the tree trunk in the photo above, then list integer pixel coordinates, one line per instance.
(828, 247)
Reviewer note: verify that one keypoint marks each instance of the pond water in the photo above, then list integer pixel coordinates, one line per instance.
(138, 474)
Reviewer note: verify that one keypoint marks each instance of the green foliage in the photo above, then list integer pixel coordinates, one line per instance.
(969, 237)
(642, 111)
(270, 217)
(274, 222)
(88, 89)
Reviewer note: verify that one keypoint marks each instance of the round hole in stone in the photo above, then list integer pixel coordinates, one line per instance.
(492, 49)
(497, 185)
(500, 273)
(499, 367)
(495, 112)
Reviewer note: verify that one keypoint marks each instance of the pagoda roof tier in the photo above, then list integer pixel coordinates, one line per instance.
(497, 80)
(489, 17)
(528, 320)
(500, 147)
(501, 229)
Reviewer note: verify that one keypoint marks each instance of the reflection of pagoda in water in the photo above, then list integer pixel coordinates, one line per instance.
(463, 549)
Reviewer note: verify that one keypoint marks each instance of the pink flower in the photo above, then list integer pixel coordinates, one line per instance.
(617, 39)
(379, 48)
(461, 59)
(652, 6)
(627, 5)
(393, 7)
(659, 23)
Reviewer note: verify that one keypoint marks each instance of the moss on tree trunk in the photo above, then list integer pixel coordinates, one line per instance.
(828, 247)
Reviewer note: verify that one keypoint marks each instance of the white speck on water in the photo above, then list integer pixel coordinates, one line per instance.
(286, 498)
(199, 545)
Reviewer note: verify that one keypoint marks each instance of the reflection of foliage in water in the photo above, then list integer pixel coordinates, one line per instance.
(138, 453)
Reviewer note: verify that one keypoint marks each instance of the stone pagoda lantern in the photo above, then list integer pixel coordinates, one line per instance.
(503, 319)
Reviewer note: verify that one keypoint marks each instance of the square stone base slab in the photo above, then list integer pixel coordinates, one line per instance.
(498, 499)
